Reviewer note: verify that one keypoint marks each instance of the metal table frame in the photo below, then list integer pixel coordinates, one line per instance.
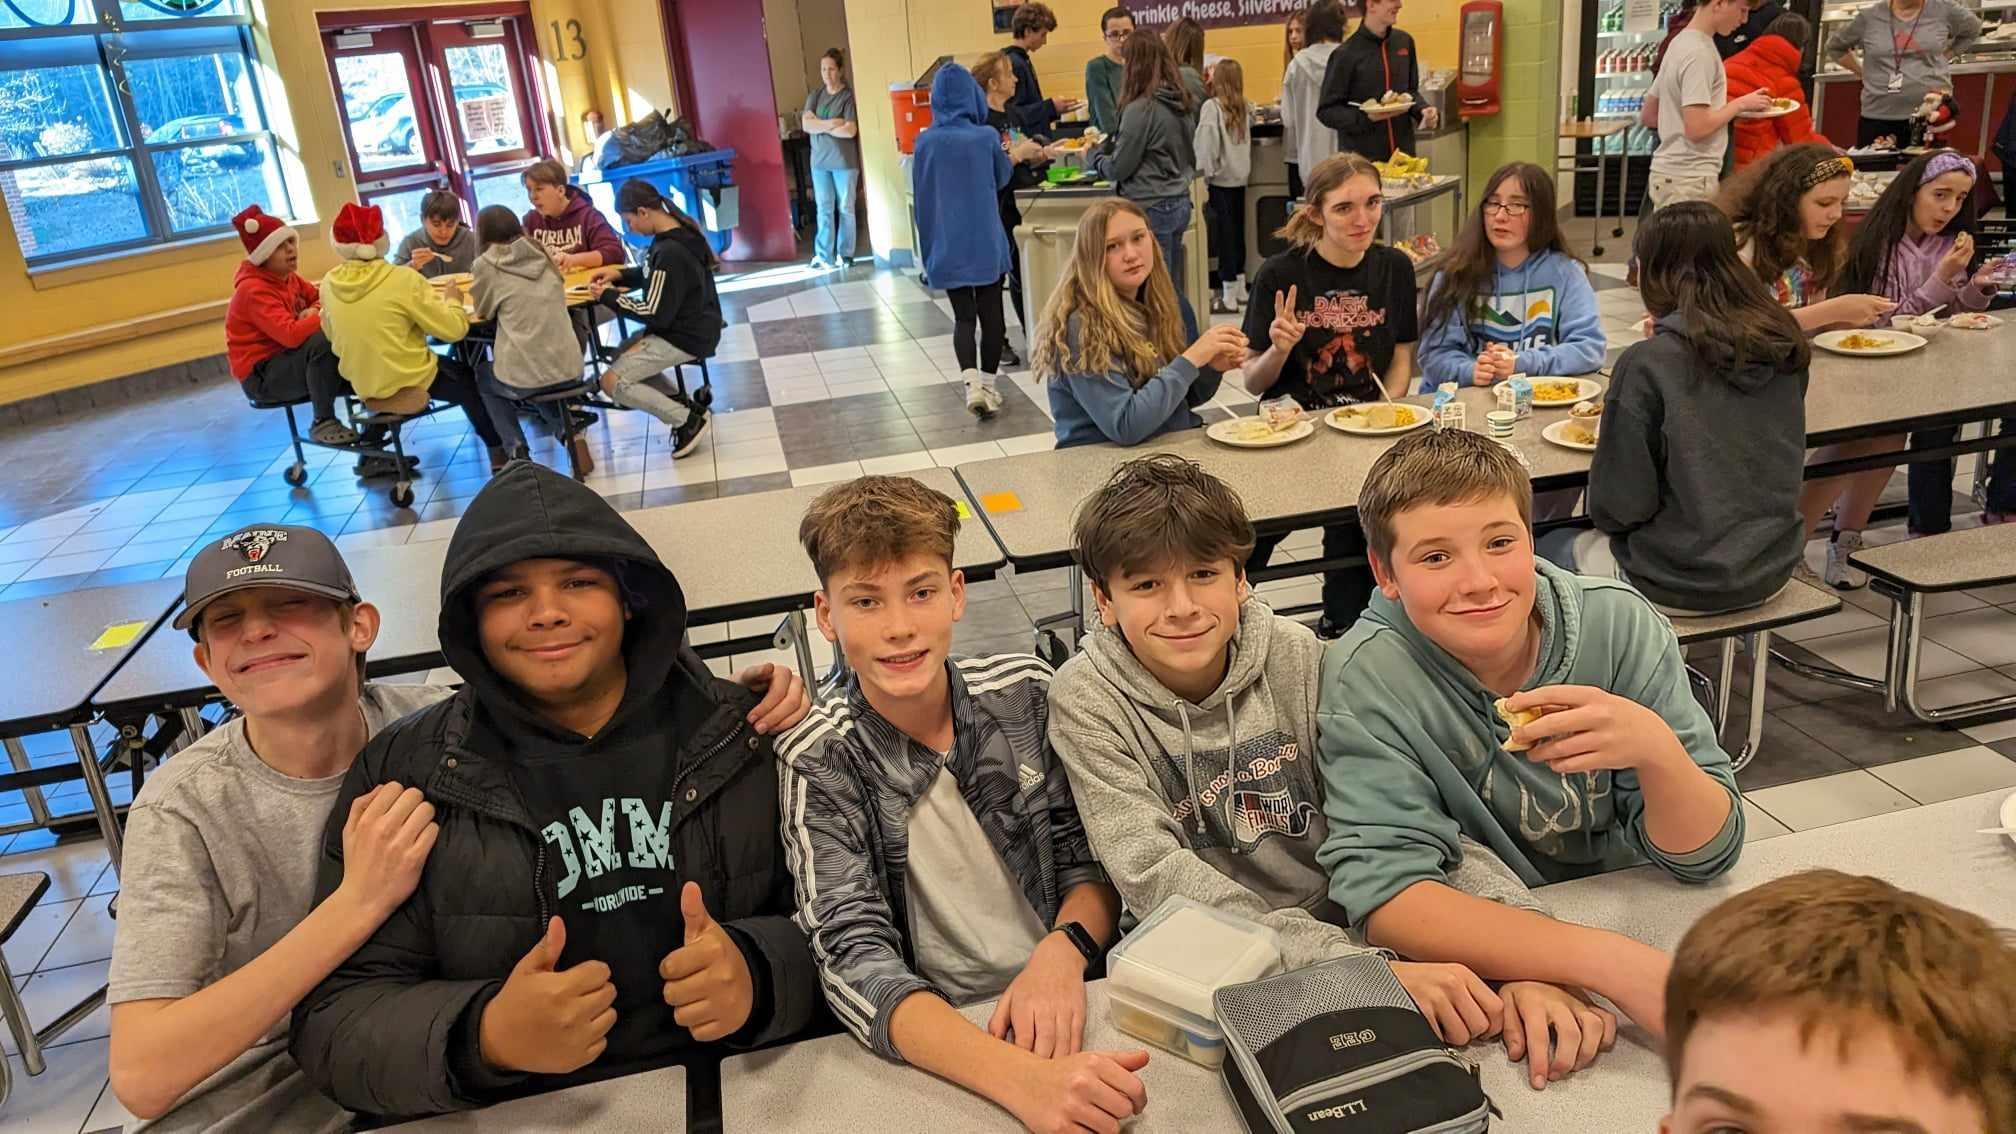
(1596, 131)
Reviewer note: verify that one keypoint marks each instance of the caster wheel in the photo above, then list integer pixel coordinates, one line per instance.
(296, 474)
(703, 397)
(402, 495)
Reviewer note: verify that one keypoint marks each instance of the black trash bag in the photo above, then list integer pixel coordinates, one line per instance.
(633, 144)
(681, 140)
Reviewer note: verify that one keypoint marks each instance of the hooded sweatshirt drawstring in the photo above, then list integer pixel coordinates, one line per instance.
(1231, 774)
(1190, 767)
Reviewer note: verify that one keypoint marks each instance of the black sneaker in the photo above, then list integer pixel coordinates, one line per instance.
(1009, 357)
(686, 437)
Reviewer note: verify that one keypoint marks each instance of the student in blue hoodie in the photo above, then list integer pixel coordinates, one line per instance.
(1513, 299)
(1544, 714)
(957, 176)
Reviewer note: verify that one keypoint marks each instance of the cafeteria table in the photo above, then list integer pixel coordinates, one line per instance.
(735, 557)
(67, 646)
(834, 1083)
(651, 1100)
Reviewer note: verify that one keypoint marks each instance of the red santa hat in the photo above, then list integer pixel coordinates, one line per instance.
(359, 232)
(261, 234)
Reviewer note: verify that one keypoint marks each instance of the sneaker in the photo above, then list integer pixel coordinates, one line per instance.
(982, 399)
(1839, 574)
(1220, 307)
(686, 437)
(1327, 630)
(1009, 357)
(819, 264)
(1804, 573)
(329, 431)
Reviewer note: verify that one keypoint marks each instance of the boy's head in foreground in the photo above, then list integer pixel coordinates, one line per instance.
(888, 595)
(1448, 522)
(1826, 1003)
(1164, 544)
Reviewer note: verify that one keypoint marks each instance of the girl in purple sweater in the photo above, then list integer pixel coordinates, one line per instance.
(1917, 247)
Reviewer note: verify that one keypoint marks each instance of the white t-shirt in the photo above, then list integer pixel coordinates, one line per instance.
(1692, 75)
(971, 926)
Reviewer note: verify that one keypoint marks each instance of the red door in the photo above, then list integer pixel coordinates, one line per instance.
(389, 124)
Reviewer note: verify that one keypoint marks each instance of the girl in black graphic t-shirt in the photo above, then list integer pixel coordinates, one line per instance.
(1332, 318)
(1332, 323)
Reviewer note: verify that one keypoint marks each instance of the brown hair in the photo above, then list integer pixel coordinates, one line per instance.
(1137, 336)
(1156, 510)
(1838, 951)
(1298, 20)
(1116, 12)
(1466, 285)
(1228, 86)
(1688, 270)
(1032, 17)
(1185, 38)
(1305, 224)
(497, 224)
(838, 57)
(1325, 23)
(441, 205)
(1791, 26)
(875, 520)
(1436, 468)
(1763, 202)
(545, 173)
(987, 68)
(1148, 67)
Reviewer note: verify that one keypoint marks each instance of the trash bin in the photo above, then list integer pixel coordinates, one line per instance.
(702, 185)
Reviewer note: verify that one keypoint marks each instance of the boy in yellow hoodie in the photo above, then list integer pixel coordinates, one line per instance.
(379, 315)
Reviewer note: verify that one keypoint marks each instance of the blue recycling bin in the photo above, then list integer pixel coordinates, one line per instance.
(702, 185)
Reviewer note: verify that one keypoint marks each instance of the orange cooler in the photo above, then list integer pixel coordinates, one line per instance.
(912, 106)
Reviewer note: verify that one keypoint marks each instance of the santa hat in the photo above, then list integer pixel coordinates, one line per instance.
(359, 232)
(262, 234)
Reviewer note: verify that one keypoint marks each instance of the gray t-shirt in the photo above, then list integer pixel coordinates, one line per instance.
(1914, 49)
(1692, 75)
(221, 855)
(971, 926)
(829, 152)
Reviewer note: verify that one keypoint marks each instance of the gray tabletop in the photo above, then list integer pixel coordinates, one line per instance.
(1950, 562)
(402, 581)
(836, 1084)
(1959, 376)
(57, 670)
(654, 1100)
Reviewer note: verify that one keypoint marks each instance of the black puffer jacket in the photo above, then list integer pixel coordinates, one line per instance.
(1362, 70)
(393, 1032)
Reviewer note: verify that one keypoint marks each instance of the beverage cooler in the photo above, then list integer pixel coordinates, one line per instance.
(1612, 77)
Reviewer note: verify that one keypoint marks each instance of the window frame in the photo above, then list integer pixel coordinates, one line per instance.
(114, 41)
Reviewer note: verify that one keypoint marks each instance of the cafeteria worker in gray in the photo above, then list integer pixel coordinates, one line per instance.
(1904, 50)
(836, 161)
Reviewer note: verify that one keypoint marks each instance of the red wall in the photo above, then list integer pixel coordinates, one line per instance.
(723, 64)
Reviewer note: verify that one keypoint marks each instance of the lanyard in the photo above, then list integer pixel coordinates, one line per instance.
(1910, 35)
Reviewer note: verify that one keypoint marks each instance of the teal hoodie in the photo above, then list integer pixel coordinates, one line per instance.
(1412, 757)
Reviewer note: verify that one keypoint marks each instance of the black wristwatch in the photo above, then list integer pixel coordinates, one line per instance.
(1080, 939)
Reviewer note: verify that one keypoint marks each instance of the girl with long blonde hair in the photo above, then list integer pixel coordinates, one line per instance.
(1111, 342)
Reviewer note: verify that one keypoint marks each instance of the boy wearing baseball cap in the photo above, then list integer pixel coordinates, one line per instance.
(216, 939)
(273, 336)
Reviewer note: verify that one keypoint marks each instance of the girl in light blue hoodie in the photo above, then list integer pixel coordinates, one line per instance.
(1513, 300)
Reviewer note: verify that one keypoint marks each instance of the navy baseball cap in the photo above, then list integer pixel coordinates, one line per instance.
(264, 555)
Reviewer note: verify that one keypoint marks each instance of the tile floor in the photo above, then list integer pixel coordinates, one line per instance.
(820, 378)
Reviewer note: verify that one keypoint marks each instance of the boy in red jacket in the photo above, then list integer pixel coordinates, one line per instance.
(273, 329)
(1771, 64)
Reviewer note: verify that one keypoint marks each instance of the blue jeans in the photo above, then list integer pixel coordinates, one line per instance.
(1168, 217)
(834, 190)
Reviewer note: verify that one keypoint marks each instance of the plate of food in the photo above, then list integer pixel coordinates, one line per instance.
(1391, 100)
(1974, 321)
(453, 279)
(1258, 433)
(1558, 393)
(1780, 107)
(1377, 419)
(1572, 433)
(1869, 344)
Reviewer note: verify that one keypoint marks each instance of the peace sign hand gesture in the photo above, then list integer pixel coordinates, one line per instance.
(1287, 329)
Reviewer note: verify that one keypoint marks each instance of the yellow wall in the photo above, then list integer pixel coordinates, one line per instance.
(302, 103)
(919, 31)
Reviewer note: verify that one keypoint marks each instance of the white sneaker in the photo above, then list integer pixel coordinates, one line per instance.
(1242, 298)
(982, 399)
(1839, 574)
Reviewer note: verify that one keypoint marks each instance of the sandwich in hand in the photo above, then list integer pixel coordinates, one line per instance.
(1514, 719)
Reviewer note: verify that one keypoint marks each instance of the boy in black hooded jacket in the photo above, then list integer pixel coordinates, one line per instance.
(607, 894)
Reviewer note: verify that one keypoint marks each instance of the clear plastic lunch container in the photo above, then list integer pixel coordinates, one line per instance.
(1161, 977)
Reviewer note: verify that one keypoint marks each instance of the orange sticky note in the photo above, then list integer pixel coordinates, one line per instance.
(999, 502)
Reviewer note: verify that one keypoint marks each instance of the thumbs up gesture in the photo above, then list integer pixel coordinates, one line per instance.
(547, 1019)
(707, 980)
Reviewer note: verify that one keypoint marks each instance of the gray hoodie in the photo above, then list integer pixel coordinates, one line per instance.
(1307, 140)
(454, 256)
(1220, 801)
(518, 288)
(1152, 156)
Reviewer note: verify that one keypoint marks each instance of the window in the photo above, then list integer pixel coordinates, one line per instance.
(125, 123)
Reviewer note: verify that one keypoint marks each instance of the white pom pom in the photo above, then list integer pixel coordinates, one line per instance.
(252, 225)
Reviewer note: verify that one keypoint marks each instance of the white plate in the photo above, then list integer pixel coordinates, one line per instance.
(1772, 113)
(1223, 433)
(1993, 321)
(1422, 416)
(1587, 388)
(1900, 342)
(2009, 815)
(1556, 433)
(1372, 106)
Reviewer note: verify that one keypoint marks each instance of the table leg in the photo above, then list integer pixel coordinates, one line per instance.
(38, 808)
(1753, 736)
(1596, 222)
(101, 798)
(1623, 181)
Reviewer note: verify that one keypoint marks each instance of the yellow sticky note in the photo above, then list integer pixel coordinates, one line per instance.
(1000, 502)
(965, 513)
(118, 634)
